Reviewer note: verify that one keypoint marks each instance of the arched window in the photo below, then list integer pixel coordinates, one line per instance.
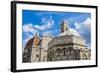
(77, 54)
(58, 51)
(49, 56)
(81, 49)
(70, 50)
(64, 51)
(26, 51)
(52, 52)
(77, 48)
(89, 55)
(84, 56)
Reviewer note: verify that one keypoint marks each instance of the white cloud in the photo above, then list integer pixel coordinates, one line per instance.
(43, 20)
(77, 25)
(42, 27)
(26, 27)
(29, 28)
(86, 24)
(84, 30)
(50, 23)
(47, 24)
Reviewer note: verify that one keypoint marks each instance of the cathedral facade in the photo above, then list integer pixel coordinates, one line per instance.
(68, 45)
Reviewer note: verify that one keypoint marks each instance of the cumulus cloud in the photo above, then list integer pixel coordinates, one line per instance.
(43, 20)
(42, 27)
(77, 25)
(86, 24)
(29, 31)
(47, 24)
(84, 30)
(29, 28)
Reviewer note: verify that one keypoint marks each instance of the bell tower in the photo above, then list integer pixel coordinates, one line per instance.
(36, 49)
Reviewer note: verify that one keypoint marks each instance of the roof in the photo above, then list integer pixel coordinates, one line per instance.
(70, 32)
(33, 41)
(29, 43)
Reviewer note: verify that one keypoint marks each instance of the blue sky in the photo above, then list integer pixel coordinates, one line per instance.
(49, 22)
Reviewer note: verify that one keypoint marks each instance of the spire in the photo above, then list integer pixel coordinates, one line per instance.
(37, 33)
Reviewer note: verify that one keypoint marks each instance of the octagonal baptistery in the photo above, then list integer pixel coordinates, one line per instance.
(68, 45)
